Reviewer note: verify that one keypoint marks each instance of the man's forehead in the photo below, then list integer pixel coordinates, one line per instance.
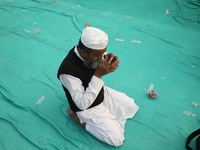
(99, 51)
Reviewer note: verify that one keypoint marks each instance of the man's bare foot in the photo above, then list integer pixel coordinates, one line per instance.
(74, 117)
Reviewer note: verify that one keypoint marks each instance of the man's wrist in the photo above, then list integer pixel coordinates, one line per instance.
(98, 76)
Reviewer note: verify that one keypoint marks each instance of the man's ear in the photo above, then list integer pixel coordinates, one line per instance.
(83, 53)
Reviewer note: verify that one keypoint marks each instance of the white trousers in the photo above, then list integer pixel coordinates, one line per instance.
(106, 121)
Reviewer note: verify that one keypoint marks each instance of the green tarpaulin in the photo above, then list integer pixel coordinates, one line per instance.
(157, 42)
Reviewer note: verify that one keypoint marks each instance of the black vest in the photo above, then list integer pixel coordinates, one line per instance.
(73, 65)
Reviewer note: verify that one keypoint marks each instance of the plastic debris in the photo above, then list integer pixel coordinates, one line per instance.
(151, 92)
(40, 100)
(34, 23)
(23, 10)
(192, 67)
(163, 78)
(128, 17)
(27, 31)
(37, 30)
(119, 39)
(195, 104)
(77, 6)
(189, 113)
(88, 24)
(166, 13)
(10, 0)
(134, 41)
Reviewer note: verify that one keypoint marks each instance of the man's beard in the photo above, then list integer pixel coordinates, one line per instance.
(91, 65)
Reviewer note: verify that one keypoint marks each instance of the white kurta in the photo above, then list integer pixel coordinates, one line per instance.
(106, 120)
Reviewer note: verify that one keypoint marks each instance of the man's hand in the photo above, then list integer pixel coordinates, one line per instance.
(108, 65)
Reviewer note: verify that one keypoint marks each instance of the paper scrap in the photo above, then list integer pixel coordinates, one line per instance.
(166, 13)
(195, 104)
(34, 23)
(151, 86)
(119, 39)
(77, 6)
(189, 113)
(27, 31)
(40, 100)
(37, 30)
(134, 41)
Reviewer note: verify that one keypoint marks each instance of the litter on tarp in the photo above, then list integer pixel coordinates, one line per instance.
(195, 104)
(34, 23)
(192, 67)
(40, 100)
(88, 24)
(76, 6)
(189, 113)
(68, 40)
(166, 13)
(27, 31)
(37, 30)
(151, 92)
(134, 41)
(128, 17)
(119, 39)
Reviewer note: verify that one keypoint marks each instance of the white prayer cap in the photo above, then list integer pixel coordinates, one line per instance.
(94, 38)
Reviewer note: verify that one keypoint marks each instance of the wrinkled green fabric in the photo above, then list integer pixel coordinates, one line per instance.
(35, 36)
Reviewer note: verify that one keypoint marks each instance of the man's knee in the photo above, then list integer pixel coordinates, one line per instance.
(116, 139)
(108, 131)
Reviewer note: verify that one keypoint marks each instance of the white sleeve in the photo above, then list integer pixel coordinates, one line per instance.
(81, 97)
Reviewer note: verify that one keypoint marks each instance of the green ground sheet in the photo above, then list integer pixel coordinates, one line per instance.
(157, 42)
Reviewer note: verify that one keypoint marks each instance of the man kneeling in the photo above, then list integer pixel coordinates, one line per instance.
(101, 110)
